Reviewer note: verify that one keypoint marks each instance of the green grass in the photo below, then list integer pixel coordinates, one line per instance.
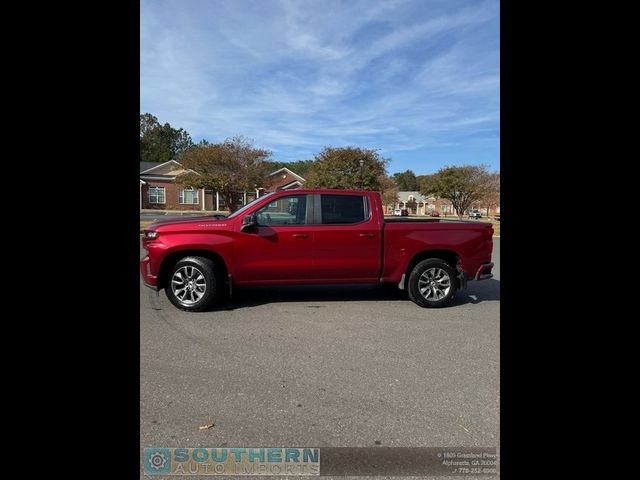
(145, 223)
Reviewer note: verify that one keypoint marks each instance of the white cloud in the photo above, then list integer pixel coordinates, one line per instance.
(297, 75)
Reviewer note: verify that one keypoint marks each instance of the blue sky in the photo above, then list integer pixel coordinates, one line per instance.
(416, 79)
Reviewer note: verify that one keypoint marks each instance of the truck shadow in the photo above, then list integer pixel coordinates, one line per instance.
(476, 292)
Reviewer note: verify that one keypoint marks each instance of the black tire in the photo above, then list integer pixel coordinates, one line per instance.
(437, 270)
(192, 298)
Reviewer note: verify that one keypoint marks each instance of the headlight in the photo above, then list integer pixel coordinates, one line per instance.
(151, 234)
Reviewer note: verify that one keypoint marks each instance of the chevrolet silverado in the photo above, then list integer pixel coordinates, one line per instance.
(313, 237)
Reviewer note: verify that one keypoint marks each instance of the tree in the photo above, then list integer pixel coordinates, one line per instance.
(161, 143)
(462, 186)
(388, 190)
(340, 168)
(407, 181)
(491, 200)
(147, 123)
(419, 180)
(230, 168)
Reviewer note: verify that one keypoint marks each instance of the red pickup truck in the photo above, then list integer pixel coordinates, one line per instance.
(306, 237)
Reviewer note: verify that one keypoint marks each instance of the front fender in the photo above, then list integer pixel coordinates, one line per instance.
(170, 244)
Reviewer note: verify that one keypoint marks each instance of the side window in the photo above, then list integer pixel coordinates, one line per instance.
(156, 195)
(337, 209)
(284, 211)
(188, 196)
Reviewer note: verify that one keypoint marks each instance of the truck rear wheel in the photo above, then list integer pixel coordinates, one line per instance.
(194, 284)
(432, 283)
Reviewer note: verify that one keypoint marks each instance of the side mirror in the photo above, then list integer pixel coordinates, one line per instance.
(249, 222)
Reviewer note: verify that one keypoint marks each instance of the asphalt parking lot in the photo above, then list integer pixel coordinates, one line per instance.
(322, 366)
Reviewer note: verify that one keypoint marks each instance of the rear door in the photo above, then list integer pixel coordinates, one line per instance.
(347, 243)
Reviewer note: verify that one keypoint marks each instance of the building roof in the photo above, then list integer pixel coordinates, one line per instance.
(286, 170)
(418, 197)
(167, 170)
(294, 184)
(282, 178)
(147, 165)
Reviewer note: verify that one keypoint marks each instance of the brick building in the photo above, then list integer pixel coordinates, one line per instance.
(283, 179)
(160, 190)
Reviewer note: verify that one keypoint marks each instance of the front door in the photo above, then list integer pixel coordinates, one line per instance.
(279, 249)
(209, 200)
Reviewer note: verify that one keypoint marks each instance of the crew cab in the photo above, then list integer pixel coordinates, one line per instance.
(313, 237)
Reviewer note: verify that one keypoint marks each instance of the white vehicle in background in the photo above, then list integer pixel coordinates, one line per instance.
(475, 213)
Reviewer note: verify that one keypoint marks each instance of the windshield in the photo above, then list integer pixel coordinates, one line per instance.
(244, 209)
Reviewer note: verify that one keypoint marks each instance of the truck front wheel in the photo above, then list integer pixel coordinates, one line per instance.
(194, 284)
(432, 283)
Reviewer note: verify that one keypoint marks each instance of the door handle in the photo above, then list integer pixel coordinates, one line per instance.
(368, 235)
(300, 235)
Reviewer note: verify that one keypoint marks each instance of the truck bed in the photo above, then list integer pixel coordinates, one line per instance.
(472, 240)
